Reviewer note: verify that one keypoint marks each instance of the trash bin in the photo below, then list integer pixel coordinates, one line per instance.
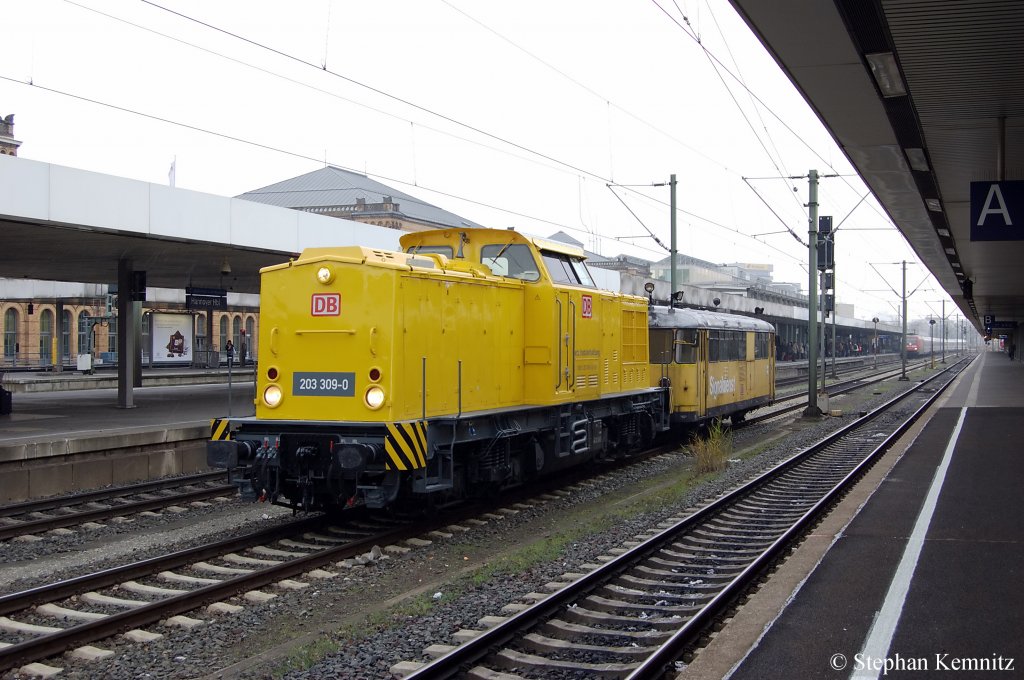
(5, 402)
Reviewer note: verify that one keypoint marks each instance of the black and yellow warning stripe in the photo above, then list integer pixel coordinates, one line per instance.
(406, 445)
(220, 429)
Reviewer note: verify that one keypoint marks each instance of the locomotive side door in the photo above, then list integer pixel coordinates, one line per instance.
(565, 339)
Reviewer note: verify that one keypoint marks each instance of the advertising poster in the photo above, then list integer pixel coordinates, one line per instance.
(172, 338)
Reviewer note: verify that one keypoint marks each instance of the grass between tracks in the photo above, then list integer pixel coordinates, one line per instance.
(526, 549)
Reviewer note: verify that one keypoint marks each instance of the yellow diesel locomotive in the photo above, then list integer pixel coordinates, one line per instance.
(473, 360)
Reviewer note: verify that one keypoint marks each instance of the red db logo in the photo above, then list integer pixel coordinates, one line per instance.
(588, 307)
(326, 304)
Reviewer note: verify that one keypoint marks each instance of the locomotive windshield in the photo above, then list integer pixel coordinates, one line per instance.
(513, 260)
(567, 269)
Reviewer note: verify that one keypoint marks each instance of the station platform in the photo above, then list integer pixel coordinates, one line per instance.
(926, 578)
(60, 439)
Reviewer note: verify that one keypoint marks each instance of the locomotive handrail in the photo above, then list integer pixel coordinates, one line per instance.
(572, 355)
(559, 341)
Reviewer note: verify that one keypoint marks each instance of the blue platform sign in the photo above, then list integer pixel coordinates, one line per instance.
(997, 211)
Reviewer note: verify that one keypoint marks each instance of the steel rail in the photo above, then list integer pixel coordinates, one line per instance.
(53, 644)
(658, 663)
(40, 525)
(54, 502)
(471, 652)
(102, 579)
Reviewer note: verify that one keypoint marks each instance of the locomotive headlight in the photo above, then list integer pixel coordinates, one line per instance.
(324, 275)
(272, 396)
(374, 397)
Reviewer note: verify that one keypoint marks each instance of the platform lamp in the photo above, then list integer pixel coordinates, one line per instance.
(874, 345)
(931, 333)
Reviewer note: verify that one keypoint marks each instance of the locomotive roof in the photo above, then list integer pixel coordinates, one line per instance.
(488, 236)
(661, 317)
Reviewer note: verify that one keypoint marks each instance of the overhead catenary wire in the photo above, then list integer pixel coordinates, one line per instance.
(515, 145)
(555, 223)
(769, 109)
(294, 154)
(396, 98)
(646, 228)
(601, 97)
(756, 108)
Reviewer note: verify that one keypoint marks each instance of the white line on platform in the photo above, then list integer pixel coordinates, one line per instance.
(882, 630)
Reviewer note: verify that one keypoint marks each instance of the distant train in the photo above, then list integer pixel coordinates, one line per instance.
(915, 346)
(474, 360)
(918, 346)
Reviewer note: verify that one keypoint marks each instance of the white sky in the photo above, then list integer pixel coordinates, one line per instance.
(541, 104)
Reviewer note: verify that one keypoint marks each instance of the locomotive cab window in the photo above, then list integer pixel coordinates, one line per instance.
(437, 250)
(513, 260)
(564, 268)
(686, 346)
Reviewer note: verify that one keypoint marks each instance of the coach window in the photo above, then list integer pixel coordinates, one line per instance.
(513, 260)
(686, 346)
(762, 345)
(726, 346)
(661, 345)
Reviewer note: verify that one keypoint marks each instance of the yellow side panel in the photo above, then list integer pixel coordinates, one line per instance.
(686, 387)
(461, 340)
(724, 382)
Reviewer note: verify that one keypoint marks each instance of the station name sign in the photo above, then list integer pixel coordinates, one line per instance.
(997, 211)
(206, 298)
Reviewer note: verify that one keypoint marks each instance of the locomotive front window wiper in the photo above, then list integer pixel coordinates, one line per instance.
(494, 260)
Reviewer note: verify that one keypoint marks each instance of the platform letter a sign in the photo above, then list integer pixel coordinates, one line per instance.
(994, 205)
(995, 195)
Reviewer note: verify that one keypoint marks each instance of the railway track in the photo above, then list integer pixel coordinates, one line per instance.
(798, 401)
(40, 516)
(46, 621)
(636, 614)
(841, 368)
(66, 616)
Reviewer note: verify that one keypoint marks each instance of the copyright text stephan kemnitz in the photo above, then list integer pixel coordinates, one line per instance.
(938, 662)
